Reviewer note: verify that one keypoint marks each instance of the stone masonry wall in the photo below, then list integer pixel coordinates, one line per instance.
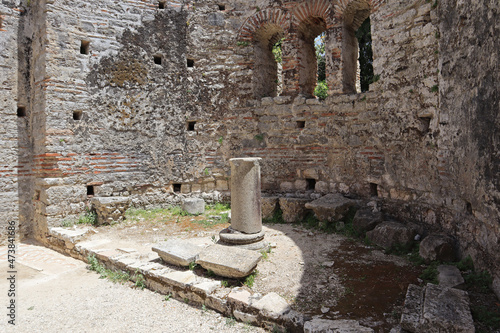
(150, 100)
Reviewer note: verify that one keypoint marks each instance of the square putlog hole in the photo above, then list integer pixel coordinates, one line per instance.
(311, 184)
(157, 59)
(84, 47)
(77, 115)
(190, 125)
(21, 111)
(190, 62)
(161, 5)
(90, 190)
(374, 190)
(222, 7)
(301, 124)
(177, 188)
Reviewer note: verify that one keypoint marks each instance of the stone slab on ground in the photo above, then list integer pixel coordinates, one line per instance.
(318, 325)
(436, 309)
(193, 206)
(390, 233)
(293, 209)
(449, 276)
(331, 207)
(177, 252)
(366, 220)
(229, 261)
(71, 235)
(437, 247)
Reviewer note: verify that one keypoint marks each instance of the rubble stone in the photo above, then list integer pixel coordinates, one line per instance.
(110, 209)
(193, 206)
(331, 207)
(437, 247)
(388, 234)
(177, 252)
(228, 261)
(293, 209)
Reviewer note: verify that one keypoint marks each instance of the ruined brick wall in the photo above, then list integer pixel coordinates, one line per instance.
(150, 99)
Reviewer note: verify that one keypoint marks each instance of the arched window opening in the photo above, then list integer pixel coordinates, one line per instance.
(309, 30)
(364, 37)
(354, 17)
(278, 57)
(267, 52)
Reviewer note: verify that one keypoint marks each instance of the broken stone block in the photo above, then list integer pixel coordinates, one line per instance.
(449, 276)
(177, 252)
(437, 247)
(436, 309)
(269, 205)
(193, 206)
(331, 207)
(390, 233)
(110, 209)
(229, 261)
(272, 305)
(318, 325)
(293, 209)
(366, 220)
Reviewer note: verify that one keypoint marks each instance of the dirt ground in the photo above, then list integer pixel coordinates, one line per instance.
(320, 274)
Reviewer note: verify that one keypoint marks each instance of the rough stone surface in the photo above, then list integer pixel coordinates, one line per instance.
(246, 213)
(331, 207)
(177, 252)
(272, 305)
(229, 261)
(435, 309)
(496, 286)
(154, 103)
(269, 206)
(391, 233)
(318, 325)
(437, 247)
(193, 206)
(293, 209)
(449, 276)
(110, 209)
(366, 220)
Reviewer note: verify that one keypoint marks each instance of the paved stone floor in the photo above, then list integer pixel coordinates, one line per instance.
(56, 293)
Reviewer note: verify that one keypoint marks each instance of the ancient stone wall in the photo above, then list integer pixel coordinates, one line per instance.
(150, 99)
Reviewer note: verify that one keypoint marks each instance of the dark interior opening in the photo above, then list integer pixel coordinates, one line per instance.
(157, 59)
(222, 7)
(426, 123)
(84, 47)
(190, 62)
(469, 208)
(301, 124)
(374, 190)
(177, 187)
(90, 190)
(190, 125)
(21, 111)
(161, 5)
(311, 184)
(77, 115)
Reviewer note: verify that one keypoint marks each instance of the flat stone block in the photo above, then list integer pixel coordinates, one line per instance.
(449, 276)
(206, 287)
(181, 279)
(177, 252)
(268, 205)
(293, 209)
(240, 297)
(436, 309)
(331, 207)
(228, 261)
(318, 325)
(272, 305)
(366, 220)
(193, 206)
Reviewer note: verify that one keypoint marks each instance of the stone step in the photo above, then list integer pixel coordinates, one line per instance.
(177, 252)
(436, 309)
(331, 207)
(228, 261)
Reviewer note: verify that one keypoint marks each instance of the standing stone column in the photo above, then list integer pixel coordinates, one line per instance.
(246, 214)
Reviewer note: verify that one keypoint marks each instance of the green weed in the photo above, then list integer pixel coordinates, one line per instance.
(113, 276)
(140, 282)
(430, 274)
(242, 43)
(167, 297)
(321, 90)
(486, 316)
(192, 265)
(276, 218)
(250, 279)
(230, 321)
(224, 283)
(435, 88)
(90, 217)
(265, 253)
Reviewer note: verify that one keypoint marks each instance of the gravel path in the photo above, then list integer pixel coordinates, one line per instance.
(61, 295)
